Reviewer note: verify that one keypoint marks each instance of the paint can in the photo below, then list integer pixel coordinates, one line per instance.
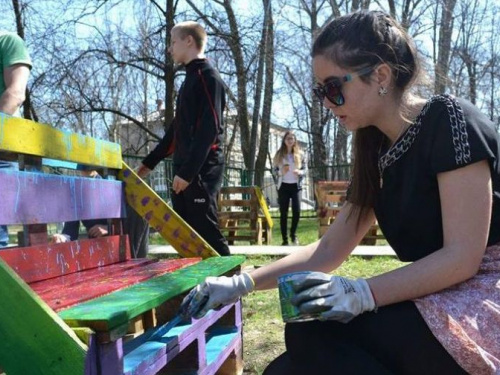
(290, 313)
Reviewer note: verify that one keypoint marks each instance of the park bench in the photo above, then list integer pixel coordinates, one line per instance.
(244, 216)
(330, 196)
(85, 306)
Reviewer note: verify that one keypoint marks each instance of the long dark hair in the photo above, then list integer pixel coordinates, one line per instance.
(368, 38)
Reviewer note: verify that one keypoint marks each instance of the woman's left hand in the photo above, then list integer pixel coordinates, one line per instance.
(334, 297)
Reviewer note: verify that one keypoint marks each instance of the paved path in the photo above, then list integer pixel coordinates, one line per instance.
(280, 250)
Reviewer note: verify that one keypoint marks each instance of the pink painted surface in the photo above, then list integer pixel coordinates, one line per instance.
(42, 262)
(32, 198)
(69, 290)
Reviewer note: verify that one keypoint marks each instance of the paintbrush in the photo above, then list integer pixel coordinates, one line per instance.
(189, 307)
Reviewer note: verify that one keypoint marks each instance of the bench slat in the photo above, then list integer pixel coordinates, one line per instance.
(28, 137)
(184, 239)
(42, 262)
(107, 312)
(32, 334)
(66, 291)
(32, 198)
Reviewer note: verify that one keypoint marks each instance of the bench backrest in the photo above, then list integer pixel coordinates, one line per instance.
(35, 340)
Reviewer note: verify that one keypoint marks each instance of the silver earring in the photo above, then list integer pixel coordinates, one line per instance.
(382, 91)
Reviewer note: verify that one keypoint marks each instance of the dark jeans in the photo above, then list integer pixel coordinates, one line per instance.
(137, 229)
(395, 340)
(286, 193)
(198, 206)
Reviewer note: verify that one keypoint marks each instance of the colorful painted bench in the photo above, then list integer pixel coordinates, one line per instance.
(87, 307)
(243, 215)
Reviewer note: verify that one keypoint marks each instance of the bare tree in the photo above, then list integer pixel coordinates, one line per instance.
(444, 43)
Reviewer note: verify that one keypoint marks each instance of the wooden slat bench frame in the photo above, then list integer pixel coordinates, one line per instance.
(243, 215)
(330, 196)
(93, 286)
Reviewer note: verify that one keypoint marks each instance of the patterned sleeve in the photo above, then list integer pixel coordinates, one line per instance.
(462, 135)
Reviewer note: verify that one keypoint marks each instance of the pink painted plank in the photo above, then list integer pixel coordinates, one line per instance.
(42, 262)
(66, 291)
(32, 198)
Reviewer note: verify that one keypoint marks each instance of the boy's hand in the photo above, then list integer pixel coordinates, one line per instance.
(98, 231)
(142, 171)
(179, 184)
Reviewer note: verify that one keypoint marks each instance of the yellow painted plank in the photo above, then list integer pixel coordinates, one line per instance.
(163, 218)
(263, 206)
(28, 137)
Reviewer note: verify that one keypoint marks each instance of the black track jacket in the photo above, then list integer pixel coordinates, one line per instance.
(195, 134)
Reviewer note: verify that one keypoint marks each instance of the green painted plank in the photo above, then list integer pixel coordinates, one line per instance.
(29, 137)
(107, 312)
(33, 339)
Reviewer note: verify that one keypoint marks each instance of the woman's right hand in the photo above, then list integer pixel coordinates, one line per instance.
(214, 293)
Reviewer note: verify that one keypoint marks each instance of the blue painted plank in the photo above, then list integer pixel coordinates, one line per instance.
(31, 198)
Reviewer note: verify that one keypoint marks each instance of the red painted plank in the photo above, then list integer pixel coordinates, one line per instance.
(32, 198)
(69, 290)
(42, 262)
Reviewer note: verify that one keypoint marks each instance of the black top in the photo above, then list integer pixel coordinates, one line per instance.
(195, 135)
(448, 134)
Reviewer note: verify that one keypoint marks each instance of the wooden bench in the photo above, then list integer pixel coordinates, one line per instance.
(243, 215)
(330, 196)
(87, 307)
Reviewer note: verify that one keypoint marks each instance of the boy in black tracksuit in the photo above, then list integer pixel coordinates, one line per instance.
(195, 137)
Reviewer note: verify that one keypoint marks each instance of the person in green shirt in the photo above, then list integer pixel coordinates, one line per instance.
(15, 66)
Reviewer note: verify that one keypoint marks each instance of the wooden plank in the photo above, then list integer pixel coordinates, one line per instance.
(33, 198)
(235, 203)
(163, 218)
(28, 137)
(34, 340)
(104, 313)
(237, 190)
(66, 291)
(236, 215)
(145, 355)
(263, 206)
(45, 261)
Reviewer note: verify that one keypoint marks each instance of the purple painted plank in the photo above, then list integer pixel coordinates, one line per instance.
(144, 357)
(111, 357)
(31, 198)
(91, 360)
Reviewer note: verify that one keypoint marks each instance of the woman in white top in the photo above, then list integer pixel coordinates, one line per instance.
(289, 164)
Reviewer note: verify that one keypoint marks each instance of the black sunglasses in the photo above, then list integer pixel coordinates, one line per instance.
(332, 88)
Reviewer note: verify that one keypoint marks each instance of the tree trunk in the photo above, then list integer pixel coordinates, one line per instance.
(268, 95)
(443, 60)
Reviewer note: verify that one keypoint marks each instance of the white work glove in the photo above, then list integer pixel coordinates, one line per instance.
(214, 293)
(333, 297)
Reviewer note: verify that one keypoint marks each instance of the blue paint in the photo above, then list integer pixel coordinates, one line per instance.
(59, 163)
(217, 343)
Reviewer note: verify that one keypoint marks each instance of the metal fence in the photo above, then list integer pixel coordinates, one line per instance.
(161, 180)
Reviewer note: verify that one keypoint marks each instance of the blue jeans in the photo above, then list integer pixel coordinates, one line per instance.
(4, 235)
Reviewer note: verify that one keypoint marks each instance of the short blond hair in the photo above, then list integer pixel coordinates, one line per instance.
(194, 29)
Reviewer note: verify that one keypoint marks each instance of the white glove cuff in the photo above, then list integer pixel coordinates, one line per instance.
(246, 283)
(367, 299)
